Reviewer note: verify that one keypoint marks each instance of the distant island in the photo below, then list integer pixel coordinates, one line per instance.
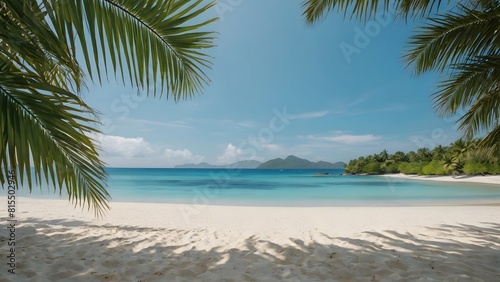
(291, 162)
(298, 163)
(248, 164)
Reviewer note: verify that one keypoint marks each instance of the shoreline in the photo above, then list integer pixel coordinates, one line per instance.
(312, 204)
(172, 242)
(479, 179)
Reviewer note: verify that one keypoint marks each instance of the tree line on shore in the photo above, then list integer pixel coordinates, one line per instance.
(460, 157)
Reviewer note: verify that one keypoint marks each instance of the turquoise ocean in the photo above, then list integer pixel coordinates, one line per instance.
(290, 187)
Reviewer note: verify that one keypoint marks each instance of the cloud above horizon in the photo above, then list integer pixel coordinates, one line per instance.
(119, 150)
(347, 139)
(182, 155)
(123, 146)
(231, 154)
(309, 115)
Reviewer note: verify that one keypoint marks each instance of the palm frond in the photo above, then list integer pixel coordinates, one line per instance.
(29, 42)
(482, 4)
(43, 123)
(482, 115)
(148, 42)
(489, 144)
(419, 8)
(47, 124)
(464, 44)
(317, 9)
(453, 38)
(314, 10)
(468, 82)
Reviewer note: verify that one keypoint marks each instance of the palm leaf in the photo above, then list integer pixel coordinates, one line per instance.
(474, 87)
(147, 41)
(28, 41)
(453, 38)
(44, 125)
(489, 145)
(53, 131)
(468, 81)
(366, 9)
(466, 44)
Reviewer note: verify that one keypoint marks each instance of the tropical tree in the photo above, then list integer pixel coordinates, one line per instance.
(436, 167)
(412, 157)
(423, 155)
(438, 153)
(399, 157)
(461, 40)
(383, 156)
(153, 45)
(475, 167)
(391, 166)
(372, 168)
(463, 150)
(451, 164)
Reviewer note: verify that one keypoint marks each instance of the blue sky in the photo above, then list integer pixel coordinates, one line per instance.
(332, 91)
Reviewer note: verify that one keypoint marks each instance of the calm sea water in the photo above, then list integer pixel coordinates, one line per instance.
(280, 188)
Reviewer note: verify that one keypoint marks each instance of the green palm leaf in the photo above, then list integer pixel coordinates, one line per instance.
(489, 145)
(454, 38)
(46, 124)
(466, 43)
(468, 82)
(474, 87)
(366, 9)
(28, 41)
(146, 41)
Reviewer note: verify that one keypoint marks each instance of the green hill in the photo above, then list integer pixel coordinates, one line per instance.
(240, 164)
(295, 162)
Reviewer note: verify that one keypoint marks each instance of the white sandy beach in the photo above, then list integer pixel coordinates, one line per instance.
(487, 179)
(164, 242)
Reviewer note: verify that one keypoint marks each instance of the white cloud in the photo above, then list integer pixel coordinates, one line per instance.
(309, 115)
(347, 138)
(231, 155)
(121, 151)
(352, 139)
(123, 146)
(184, 155)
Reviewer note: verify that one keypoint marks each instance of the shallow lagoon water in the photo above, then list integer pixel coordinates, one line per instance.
(285, 188)
(292, 187)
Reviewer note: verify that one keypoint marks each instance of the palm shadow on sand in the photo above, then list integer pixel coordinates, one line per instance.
(50, 250)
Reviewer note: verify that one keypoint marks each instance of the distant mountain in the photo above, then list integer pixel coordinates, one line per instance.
(240, 164)
(295, 162)
(200, 165)
(245, 164)
(289, 162)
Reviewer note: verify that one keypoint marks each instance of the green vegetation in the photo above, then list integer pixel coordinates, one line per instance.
(155, 45)
(458, 39)
(459, 157)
